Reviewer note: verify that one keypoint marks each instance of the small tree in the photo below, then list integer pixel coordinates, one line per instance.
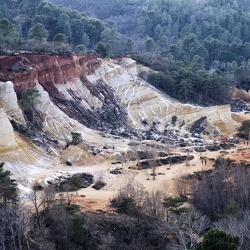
(152, 161)
(28, 102)
(173, 120)
(81, 49)
(174, 205)
(38, 33)
(59, 39)
(9, 38)
(8, 187)
(127, 206)
(76, 138)
(244, 130)
(75, 182)
(218, 240)
(102, 49)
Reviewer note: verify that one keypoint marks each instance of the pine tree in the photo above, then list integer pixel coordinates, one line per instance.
(8, 187)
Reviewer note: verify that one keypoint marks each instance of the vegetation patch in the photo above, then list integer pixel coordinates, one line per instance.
(99, 184)
(23, 130)
(199, 125)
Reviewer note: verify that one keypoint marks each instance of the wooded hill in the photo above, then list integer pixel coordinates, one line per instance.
(212, 34)
(43, 27)
(200, 48)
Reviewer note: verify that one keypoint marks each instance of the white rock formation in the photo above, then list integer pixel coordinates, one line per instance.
(8, 99)
(144, 102)
(58, 124)
(7, 136)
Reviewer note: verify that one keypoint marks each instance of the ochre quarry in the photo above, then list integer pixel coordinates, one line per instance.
(94, 97)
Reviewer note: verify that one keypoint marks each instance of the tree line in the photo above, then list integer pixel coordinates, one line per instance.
(41, 26)
(213, 33)
(200, 48)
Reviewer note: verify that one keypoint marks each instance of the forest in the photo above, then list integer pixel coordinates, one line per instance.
(212, 34)
(200, 48)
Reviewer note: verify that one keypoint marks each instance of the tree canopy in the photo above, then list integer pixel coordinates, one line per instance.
(199, 48)
(218, 240)
(244, 130)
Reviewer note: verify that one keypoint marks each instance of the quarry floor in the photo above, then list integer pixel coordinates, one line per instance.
(91, 200)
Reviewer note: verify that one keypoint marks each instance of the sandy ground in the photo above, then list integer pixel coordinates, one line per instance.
(91, 199)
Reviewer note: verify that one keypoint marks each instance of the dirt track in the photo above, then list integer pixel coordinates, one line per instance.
(91, 199)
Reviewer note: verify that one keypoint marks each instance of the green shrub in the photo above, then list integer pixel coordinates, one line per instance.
(218, 240)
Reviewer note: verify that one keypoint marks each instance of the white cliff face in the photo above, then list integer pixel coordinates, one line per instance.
(8, 99)
(7, 136)
(144, 102)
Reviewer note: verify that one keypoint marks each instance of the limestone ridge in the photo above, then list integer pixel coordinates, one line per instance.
(9, 109)
(145, 103)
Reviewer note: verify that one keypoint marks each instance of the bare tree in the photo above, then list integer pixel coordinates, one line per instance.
(135, 147)
(69, 195)
(181, 186)
(152, 154)
(153, 204)
(14, 227)
(188, 228)
(237, 226)
(37, 199)
(49, 194)
(133, 190)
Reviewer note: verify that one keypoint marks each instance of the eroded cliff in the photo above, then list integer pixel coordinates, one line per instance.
(86, 95)
(64, 79)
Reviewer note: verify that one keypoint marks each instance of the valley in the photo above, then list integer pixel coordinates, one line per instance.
(133, 117)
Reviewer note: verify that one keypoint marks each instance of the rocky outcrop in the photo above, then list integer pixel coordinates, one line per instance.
(25, 70)
(7, 136)
(64, 79)
(8, 99)
(85, 95)
(101, 94)
(143, 102)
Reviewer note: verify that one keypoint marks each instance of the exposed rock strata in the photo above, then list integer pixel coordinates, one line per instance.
(64, 78)
(83, 94)
(240, 94)
(144, 102)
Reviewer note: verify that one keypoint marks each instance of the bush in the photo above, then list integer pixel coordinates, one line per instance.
(20, 128)
(72, 208)
(127, 206)
(99, 185)
(244, 130)
(173, 120)
(218, 240)
(76, 138)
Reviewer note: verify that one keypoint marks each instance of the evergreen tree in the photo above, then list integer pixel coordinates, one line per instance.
(8, 187)
(218, 240)
(9, 38)
(38, 33)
